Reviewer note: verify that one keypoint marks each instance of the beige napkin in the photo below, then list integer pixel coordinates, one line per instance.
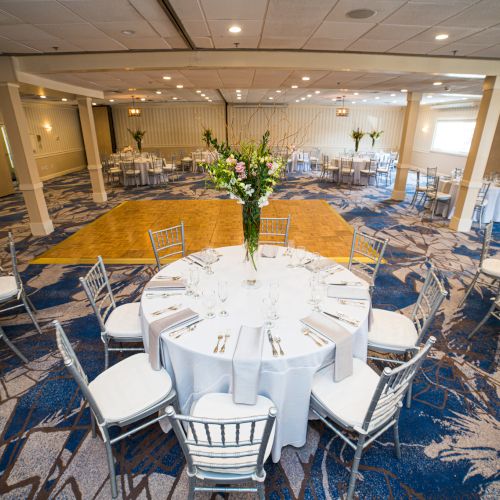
(166, 284)
(177, 319)
(269, 251)
(340, 336)
(247, 359)
(321, 264)
(348, 292)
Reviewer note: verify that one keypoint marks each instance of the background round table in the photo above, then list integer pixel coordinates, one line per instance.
(286, 380)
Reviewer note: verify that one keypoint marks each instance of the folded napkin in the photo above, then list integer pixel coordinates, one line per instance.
(348, 291)
(178, 319)
(247, 359)
(202, 259)
(321, 264)
(340, 336)
(269, 251)
(166, 284)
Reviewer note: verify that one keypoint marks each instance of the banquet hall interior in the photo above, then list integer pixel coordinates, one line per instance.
(249, 249)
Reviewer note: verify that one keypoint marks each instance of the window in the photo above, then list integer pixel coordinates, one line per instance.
(453, 136)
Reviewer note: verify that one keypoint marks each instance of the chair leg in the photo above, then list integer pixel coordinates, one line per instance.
(409, 395)
(355, 466)
(33, 308)
(261, 491)
(12, 347)
(111, 466)
(92, 423)
(106, 355)
(469, 290)
(481, 323)
(191, 488)
(30, 313)
(397, 446)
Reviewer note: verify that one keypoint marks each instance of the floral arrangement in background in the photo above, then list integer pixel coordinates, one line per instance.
(249, 174)
(357, 135)
(374, 135)
(128, 149)
(138, 135)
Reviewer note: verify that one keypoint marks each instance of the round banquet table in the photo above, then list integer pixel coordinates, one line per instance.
(286, 380)
(358, 164)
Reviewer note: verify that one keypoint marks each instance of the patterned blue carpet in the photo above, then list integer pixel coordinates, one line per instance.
(450, 436)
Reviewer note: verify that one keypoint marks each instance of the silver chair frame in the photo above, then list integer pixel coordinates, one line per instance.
(21, 299)
(479, 206)
(275, 229)
(73, 365)
(383, 412)
(11, 346)
(368, 172)
(493, 311)
(98, 289)
(366, 247)
(421, 190)
(195, 447)
(432, 195)
(166, 243)
(488, 234)
(129, 170)
(385, 170)
(346, 170)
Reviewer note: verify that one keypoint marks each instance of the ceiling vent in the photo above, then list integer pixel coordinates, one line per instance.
(361, 13)
(456, 105)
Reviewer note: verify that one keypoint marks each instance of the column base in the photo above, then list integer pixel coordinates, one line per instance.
(398, 195)
(460, 225)
(99, 197)
(41, 228)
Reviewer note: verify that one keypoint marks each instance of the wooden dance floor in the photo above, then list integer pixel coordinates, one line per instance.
(120, 236)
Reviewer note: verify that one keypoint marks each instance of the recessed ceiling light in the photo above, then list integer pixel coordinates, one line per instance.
(317, 91)
(198, 91)
(210, 100)
(270, 98)
(128, 32)
(297, 100)
(295, 86)
(206, 97)
(278, 91)
(353, 102)
(463, 99)
(238, 91)
(180, 86)
(64, 99)
(394, 101)
(43, 97)
(175, 98)
(344, 90)
(441, 36)
(302, 98)
(429, 97)
(167, 78)
(356, 93)
(393, 95)
(404, 90)
(143, 99)
(158, 92)
(202, 95)
(306, 78)
(234, 29)
(364, 100)
(239, 98)
(377, 97)
(436, 84)
(94, 104)
(111, 100)
(309, 95)
(131, 89)
(360, 13)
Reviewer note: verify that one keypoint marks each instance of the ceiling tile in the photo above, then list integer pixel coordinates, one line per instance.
(235, 10)
(141, 29)
(244, 42)
(250, 28)
(24, 32)
(6, 18)
(343, 31)
(145, 43)
(71, 31)
(176, 42)
(48, 46)
(461, 48)
(202, 42)
(40, 12)
(289, 29)
(274, 42)
(382, 8)
(270, 78)
(98, 44)
(489, 52)
(187, 10)
(366, 45)
(453, 33)
(423, 13)
(488, 36)
(14, 47)
(196, 28)
(293, 10)
(236, 78)
(393, 32)
(412, 47)
(103, 11)
(318, 43)
(481, 15)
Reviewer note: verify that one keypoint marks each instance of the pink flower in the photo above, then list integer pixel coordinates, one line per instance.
(240, 167)
(269, 165)
(231, 160)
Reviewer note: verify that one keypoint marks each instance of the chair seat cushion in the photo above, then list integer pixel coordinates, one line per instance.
(391, 331)
(8, 287)
(187, 158)
(221, 406)
(349, 399)
(383, 170)
(115, 170)
(491, 266)
(124, 322)
(368, 172)
(157, 170)
(129, 387)
(439, 195)
(132, 172)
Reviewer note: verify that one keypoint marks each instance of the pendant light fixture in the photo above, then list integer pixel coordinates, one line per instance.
(133, 111)
(342, 111)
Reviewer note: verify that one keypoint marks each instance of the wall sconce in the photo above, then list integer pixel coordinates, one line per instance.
(47, 127)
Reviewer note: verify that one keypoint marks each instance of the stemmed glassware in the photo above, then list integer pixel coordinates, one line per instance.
(317, 292)
(209, 300)
(223, 294)
(194, 279)
(268, 310)
(209, 257)
(274, 295)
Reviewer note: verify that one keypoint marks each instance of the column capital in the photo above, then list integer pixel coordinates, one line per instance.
(491, 83)
(413, 96)
(12, 85)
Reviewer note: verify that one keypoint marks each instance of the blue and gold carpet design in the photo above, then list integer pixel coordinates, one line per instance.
(450, 436)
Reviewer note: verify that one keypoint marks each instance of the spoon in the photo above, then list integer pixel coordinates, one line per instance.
(184, 330)
(278, 341)
(223, 348)
(315, 339)
(219, 338)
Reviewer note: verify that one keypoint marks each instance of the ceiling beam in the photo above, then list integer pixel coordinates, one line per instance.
(288, 60)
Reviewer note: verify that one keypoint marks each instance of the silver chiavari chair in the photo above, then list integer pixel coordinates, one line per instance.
(488, 266)
(393, 333)
(376, 403)
(493, 311)
(346, 170)
(12, 293)
(366, 255)
(118, 324)
(131, 173)
(481, 203)
(167, 243)
(435, 196)
(125, 394)
(222, 452)
(155, 172)
(384, 170)
(274, 230)
(370, 171)
(11, 346)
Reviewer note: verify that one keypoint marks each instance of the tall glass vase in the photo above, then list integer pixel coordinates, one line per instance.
(251, 230)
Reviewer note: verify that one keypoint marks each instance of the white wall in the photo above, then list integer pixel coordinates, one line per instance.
(423, 156)
(317, 126)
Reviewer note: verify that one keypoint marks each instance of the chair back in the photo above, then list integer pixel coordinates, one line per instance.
(488, 231)
(128, 167)
(391, 389)
(75, 368)
(429, 300)
(167, 242)
(373, 165)
(13, 258)
(431, 177)
(346, 164)
(481, 196)
(98, 290)
(223, 445)
(366, 254)
(158, 163)
(274, 230)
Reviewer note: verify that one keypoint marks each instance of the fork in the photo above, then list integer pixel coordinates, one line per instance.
(278, 341)
(223, 348)
(154, 295)
(171, 308)
(318, 341)
(182, 331)
(352, 302)
(219, 338)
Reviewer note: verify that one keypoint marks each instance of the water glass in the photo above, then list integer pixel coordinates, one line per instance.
(194, 280)
(301, 255)
(289, 248)
(268, 311)
(317, 292)
(223, 294)
(209, 301)
(274, 295)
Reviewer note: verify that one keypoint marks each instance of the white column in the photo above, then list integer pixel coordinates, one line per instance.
(24, 162)
(406, 147)
(482, 140)
(91, 149)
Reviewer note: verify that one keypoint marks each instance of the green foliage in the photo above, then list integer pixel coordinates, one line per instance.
(357, 135)
(374, 135)
(138, 135)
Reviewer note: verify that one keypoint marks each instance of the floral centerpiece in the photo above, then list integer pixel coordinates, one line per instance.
(138, 136)
(357, 135)
(248, 173)
(374, 135)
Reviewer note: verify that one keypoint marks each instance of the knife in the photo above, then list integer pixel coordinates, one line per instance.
(271, 341)
(342, 318)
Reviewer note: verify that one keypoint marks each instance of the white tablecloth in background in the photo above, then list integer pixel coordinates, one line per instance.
(285, 380)
(358, 164)
(298, 163)
(141, 164)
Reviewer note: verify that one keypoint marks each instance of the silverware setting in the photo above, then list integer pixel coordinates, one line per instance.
(278, 341)
(223, 348)
(346, 283)
(319, 341)
(352, 302)
(153, 295)
(166, 309)
(178, 333)
(342, 317)
(219, 338)
(271, 341)
(173, 278)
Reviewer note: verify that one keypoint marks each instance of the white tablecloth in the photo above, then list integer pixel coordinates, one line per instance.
(299, 163)
(141, 164)
(358, 164)
(285, 380)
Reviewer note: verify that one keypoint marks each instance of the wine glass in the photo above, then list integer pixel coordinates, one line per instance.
(268, 311)
(223, 294)
(207, 260)
(194, 279)
(274, 295)
(209, 300)
(301, 255)
(317, 292)
(290, 251)
(313, 283)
